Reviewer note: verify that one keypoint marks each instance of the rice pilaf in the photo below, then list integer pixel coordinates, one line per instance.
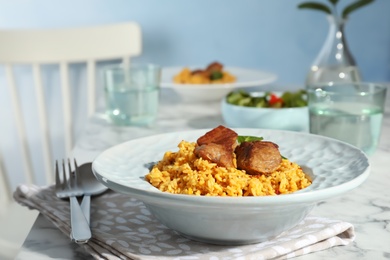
(183, 172)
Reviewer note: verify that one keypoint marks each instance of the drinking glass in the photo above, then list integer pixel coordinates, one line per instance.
(132, 93)
(350, 112)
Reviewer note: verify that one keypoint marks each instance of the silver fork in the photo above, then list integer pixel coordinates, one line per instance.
(68, 187)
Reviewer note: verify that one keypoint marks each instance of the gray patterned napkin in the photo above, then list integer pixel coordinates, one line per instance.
(123, 228)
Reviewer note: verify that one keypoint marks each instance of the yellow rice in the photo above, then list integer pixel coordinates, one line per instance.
(184, 173)
(186, 77)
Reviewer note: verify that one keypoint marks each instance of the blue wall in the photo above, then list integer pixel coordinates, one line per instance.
(271, 35)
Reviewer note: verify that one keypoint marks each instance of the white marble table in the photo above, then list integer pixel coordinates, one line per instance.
(367, 207)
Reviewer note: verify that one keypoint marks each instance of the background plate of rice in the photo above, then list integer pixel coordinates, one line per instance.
(212, 92)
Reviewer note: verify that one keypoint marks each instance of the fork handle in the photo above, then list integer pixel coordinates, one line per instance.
(86, 207)
(80, 232)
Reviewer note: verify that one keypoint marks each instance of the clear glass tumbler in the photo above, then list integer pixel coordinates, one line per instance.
(132, 94)
(350, 112)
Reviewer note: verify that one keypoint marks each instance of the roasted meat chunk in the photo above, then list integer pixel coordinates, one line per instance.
(218, 146)
(220, 135)
(216, 153)
(258, 157)
(203, 73)
(215, 66)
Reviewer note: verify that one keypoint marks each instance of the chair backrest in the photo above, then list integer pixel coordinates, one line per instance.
(58, 46)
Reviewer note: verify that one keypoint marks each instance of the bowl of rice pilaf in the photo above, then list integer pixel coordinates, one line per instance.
(231, 186)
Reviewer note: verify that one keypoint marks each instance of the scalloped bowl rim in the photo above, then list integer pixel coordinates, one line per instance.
(307, 195)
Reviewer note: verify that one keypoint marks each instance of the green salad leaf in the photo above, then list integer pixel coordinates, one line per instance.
(269, 99)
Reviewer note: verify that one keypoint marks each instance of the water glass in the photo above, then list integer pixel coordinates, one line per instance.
(350, 112)
(132, 94)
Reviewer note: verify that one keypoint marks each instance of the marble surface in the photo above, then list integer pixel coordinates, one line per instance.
(366, 207)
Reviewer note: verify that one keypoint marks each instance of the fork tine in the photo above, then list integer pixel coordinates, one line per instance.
(65, 182)
(58, 181)
(76, 172)
(71, 175)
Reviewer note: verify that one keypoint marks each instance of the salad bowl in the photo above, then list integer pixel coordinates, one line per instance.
(279, 118)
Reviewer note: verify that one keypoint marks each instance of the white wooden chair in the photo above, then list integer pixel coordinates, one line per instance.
(37, 48)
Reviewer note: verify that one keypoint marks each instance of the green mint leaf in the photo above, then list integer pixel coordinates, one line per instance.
(216, 75)
(315, 6)
(247, 138)
(354, 6)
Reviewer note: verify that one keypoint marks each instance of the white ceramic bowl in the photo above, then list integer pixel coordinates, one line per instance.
(194, 93)
(335, 168)
(293, 119)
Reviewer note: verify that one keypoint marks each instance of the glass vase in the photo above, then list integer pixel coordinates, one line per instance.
(335, 62)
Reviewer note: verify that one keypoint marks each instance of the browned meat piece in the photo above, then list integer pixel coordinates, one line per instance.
(220, 135)
(258, 157)
(216, 153)
(194, 72)
(203, 73)
(218, 146)
(215, 66)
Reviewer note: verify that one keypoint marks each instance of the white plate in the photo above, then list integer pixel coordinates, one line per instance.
(214, 92)
(335, 168)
